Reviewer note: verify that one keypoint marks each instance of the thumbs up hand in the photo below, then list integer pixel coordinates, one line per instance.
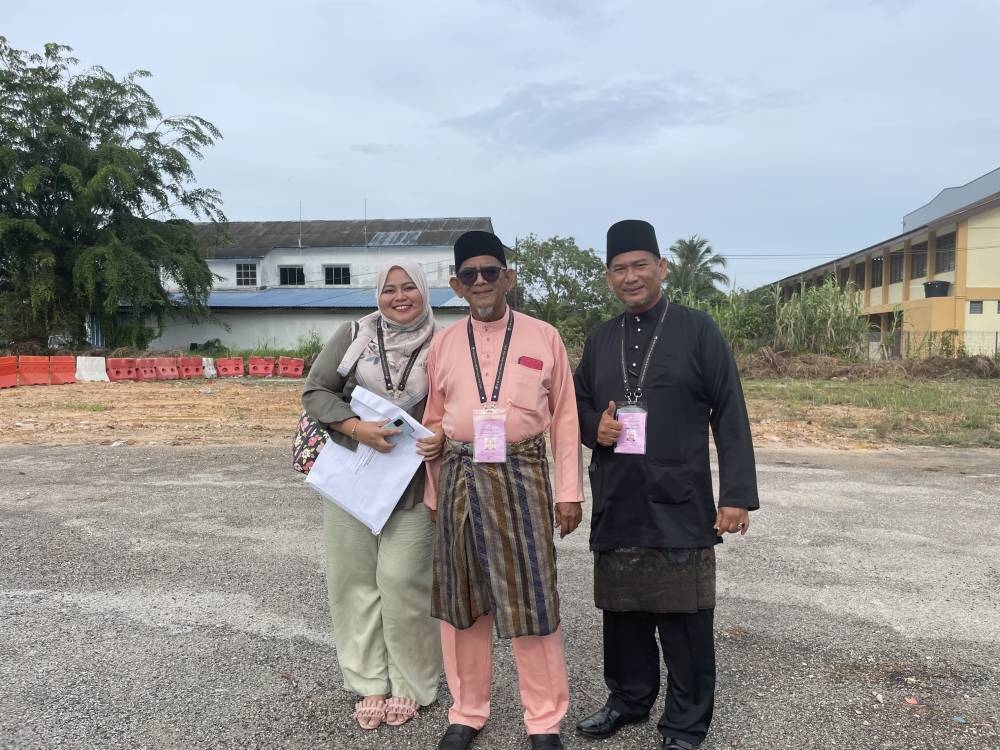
(609, 427)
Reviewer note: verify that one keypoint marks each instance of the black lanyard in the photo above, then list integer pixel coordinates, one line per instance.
(632, 397)
(384, 357)
(503, 361)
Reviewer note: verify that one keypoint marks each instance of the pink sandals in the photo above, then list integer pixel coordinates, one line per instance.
(369, 712)
(398, 710)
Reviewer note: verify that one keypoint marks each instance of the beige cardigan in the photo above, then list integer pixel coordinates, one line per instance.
(326, 398)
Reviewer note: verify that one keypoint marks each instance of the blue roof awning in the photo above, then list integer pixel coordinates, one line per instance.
(315, 297)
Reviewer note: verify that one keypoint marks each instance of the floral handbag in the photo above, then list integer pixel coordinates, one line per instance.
(310, 437)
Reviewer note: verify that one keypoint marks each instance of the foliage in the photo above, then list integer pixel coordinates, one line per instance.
(694, 270)
(746, 318)
(308, 346)
(824, 319)
(91, 176)
(564, 285)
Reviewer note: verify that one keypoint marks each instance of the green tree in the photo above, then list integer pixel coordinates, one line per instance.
(694, 270)
(92, 178)
(562, 284)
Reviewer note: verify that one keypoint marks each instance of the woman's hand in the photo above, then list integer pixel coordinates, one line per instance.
(431, 447)
(374, 434)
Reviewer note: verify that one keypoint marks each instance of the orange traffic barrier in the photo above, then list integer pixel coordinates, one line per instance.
(145, 368)
(166, 368)
(62, 370)
(33, 370)
(190, 367)
(229, 367)
(261, 367)
(8, 372)
(291, 367)
(121, 368)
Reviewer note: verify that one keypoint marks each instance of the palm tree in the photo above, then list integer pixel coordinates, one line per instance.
(693, 271)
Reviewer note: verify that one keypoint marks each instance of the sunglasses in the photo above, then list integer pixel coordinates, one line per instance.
(490, 274)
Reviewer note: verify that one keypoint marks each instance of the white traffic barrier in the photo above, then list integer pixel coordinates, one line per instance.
(208, 366)
(92, 370)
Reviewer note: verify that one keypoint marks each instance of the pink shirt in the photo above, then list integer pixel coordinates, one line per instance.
(536, 400)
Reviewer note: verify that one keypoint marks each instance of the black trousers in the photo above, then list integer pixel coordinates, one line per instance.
(632, 668)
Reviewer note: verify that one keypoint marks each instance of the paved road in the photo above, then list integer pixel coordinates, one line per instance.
(165, 597)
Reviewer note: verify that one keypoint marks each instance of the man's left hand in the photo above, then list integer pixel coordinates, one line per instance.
(431, 447)
(568, 517)
(732, 521)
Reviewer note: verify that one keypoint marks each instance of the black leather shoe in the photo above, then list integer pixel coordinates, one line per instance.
(458, 737)
(604, 723)
(545, 742)
(672, 744)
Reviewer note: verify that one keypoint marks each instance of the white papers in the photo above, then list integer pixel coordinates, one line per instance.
(365, 483)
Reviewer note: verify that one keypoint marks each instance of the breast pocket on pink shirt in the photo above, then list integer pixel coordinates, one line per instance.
(527, 388)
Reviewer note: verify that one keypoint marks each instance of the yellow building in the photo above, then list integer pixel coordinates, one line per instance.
(937, 283)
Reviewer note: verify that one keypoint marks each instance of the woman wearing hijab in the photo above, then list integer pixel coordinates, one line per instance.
(380, 586)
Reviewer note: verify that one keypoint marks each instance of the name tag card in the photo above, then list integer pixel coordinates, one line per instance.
(632, 438)
(490, 443)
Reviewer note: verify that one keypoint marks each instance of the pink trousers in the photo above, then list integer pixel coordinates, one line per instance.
(541, 673)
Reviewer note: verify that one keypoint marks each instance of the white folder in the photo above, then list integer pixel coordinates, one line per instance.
(365, 483)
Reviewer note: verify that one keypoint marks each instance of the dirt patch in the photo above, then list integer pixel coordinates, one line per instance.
(252, 412)
(180, 412)
(838, 427)
(767, 363)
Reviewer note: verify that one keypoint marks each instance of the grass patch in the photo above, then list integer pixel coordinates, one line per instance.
(307, 345)
(916, 412)
(80, 406)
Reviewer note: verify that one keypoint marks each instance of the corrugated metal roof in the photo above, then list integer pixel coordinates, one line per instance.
(316, 298)
(254, 239)
(953, 199)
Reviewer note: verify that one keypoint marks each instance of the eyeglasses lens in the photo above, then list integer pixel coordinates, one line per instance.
(490, 274)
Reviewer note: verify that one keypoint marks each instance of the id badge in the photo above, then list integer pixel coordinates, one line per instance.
(632, 438)
(490, 443)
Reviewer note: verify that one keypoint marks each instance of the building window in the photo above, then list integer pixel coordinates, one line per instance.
(918, 261)
(895, 268)
(975, 307)
(876, 272)
(859, 275)
(844, 276)
(291, 276)
(246, 274)
(337, 275)
(945, 255)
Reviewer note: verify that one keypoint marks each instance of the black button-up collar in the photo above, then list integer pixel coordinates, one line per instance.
(638, 334)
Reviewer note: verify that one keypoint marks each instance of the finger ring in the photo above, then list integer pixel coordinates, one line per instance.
(739, 525)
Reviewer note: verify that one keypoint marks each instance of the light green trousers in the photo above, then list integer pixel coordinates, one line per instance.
(380, 599)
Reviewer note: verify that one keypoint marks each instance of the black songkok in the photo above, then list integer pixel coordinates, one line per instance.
(475, 243)
(631, 234)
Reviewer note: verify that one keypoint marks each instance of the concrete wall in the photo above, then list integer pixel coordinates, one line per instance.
(276, 329)
(984, 250)
(981, 330)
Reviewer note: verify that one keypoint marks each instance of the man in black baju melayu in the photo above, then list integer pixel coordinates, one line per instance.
(649, 386)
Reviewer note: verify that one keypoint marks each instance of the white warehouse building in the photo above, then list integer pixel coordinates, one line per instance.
(279, 282)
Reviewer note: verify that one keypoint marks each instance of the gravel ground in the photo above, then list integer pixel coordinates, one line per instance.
(172, 597)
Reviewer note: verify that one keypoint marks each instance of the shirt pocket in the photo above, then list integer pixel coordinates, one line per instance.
(527, 388)
(668, 482)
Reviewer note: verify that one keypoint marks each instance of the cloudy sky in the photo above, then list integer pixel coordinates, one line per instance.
(787, 132)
